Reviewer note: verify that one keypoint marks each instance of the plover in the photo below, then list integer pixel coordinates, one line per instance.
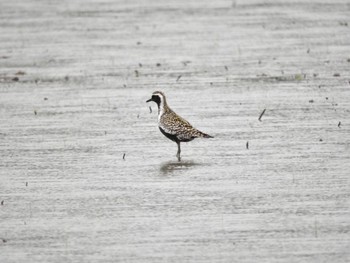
(172, 125)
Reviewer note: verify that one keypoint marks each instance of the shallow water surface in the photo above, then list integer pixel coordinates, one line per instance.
(86, 175)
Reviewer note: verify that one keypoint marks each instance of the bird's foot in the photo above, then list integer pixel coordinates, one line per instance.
(178, 157)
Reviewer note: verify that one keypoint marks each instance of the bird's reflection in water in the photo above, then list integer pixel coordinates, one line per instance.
(171, 167)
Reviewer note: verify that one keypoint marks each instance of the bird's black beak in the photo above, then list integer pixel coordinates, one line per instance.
(149, 100)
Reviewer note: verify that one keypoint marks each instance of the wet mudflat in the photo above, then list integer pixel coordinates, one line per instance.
(86, 176)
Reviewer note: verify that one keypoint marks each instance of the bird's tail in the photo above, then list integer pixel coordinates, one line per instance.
(204, 135)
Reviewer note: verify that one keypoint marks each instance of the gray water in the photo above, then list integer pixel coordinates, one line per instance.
(74, 78)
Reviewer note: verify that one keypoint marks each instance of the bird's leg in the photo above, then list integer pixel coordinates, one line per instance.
(178, 151)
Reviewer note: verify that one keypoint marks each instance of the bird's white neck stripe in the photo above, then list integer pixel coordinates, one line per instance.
(160, 109)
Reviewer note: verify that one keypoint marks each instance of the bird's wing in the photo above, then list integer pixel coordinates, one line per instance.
(176, 125)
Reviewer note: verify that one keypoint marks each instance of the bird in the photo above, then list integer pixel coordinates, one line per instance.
(172, 125)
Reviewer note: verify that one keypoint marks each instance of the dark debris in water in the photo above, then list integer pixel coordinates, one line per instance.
(2, 202)
(20, 72)
(261, 114)
(339, 123)
(178, 78)
(299, 77)
(284, 78)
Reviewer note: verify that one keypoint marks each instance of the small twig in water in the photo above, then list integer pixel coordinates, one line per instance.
(150, 109)
(178, 78)
(261, 114)
(26, 183)
(339, 124)
(247, 145)
(124, 156)
(2, 202)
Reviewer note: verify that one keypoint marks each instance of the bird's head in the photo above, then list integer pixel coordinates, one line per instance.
(158, 97)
